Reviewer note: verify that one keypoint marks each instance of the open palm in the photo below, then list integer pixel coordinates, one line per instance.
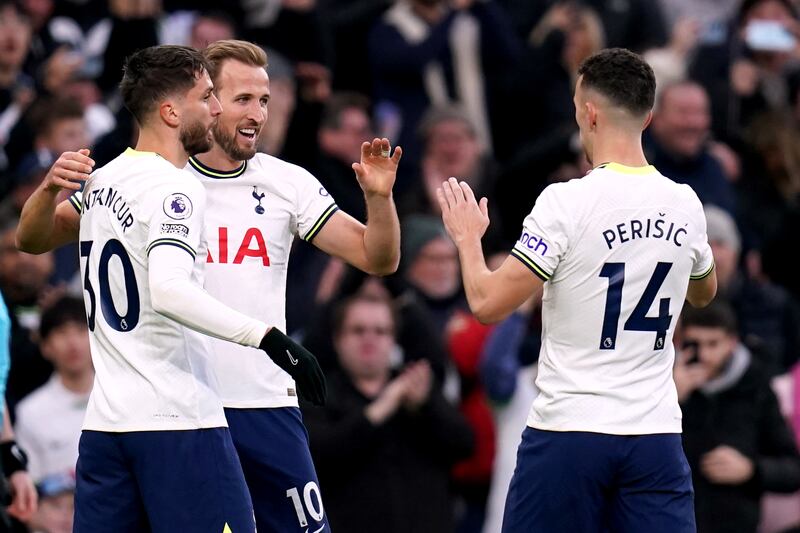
(377, 170)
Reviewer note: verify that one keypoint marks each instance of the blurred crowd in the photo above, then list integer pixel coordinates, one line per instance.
(425, 404)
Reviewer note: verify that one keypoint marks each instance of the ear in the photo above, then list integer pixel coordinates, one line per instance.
(648, 119)
(591, 115)
(169, 114)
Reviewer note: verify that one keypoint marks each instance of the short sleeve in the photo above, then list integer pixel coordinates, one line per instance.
(176, 216)
(702, 256)
(76, 199)
(315, 206)
(544, 238)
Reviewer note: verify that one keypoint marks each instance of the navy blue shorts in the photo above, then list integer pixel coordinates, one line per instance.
(575, 482)
(273, 447)
(170, 481)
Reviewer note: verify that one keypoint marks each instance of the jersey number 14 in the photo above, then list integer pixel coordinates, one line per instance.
(638, 320)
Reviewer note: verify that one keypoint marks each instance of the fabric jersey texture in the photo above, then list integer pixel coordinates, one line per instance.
(151, 373)
(616, 249)
(253, 214)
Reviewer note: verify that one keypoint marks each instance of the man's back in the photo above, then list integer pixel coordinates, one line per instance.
(618, 248)
(150, 371)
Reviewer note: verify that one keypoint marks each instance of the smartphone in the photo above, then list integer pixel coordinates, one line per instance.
(769, 36)
(692, 351)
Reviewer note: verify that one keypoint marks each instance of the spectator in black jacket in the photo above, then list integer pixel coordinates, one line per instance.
(737, 443)
(385, 442)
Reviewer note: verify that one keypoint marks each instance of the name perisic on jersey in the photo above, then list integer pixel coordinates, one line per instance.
(110, 199)
(649, 228)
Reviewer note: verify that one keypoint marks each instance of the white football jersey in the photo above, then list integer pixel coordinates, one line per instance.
(616, 249)
(253, 214)
(151, 372)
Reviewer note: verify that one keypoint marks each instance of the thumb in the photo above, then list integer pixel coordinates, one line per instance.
(484, 205)
(359, 170)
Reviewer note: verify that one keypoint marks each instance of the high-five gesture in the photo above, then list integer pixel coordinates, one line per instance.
(463, 216)
(378, 167)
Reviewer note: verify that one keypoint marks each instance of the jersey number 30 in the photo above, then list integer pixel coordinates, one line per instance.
(128, 321)
(638, 321)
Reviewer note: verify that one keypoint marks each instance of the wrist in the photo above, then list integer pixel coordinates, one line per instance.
(13, 458)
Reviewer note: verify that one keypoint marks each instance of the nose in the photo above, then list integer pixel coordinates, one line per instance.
(215, 106)
(256, 113)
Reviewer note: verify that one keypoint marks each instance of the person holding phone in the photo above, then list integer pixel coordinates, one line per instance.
(735, 438)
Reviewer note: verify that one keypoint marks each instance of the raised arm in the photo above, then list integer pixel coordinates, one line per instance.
(45, 224)
(492, 295)
(374, 247)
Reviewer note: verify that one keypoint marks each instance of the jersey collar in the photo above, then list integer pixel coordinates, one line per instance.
(214, 173)
(624, 169)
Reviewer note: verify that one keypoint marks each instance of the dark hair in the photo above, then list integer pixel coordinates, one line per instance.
(747, 6)
(337, 104)
(343, 307)
(621, 76)
(46, 112)
(156, 72)
(717, 314)
(65, 310)
(17, 6)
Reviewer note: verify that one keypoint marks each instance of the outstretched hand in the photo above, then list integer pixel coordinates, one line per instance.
(463, 217)
(377, 170)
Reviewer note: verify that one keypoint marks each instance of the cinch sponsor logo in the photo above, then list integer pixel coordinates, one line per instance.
(533, 242)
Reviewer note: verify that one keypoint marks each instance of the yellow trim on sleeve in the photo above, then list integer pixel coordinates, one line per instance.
(528, 262)
(704, 274)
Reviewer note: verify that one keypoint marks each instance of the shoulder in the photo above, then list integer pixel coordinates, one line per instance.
(36, 403)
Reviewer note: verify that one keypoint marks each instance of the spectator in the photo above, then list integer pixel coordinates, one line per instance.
(211, 27)
(56, 505)
(23, 281)
(430, 267)
(767, 315)
(677, 144)
(736, 441)
(282, 103)
(16, 89)
(345, 125)
(451, 148)
(49, 419)
(423, 53)
(383, 429)
(744, 77)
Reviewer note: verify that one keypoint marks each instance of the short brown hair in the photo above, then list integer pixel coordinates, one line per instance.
(156, 72)
(243, 51)
(48, 112)
(621, 76)
(343, 307)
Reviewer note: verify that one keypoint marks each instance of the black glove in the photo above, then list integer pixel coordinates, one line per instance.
(298, 363)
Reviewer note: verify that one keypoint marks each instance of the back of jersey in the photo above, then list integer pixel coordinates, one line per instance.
(617, 249)
(151, 372)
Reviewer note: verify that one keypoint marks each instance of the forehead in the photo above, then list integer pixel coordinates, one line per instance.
(202, 83)
(362, 311)
(235, 75)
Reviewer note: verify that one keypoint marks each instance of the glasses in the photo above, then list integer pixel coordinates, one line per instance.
(360, 330)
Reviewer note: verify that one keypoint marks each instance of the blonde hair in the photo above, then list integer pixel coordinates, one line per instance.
(243, 51)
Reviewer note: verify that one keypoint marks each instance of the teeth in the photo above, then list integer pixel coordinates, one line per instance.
(248, 131)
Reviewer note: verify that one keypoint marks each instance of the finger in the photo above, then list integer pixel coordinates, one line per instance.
(386, 146)
(359, 170)
(443, 205)
(66, 184)
(76, 164)
(376, 147)
(448, 194)
(458, 194)
(84, 152)
(398, 153)
(484, 205)
(366, 150)
(469, 196)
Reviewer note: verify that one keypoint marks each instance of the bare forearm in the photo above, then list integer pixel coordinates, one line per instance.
(382, 235)
(37, 221)
(477, 278)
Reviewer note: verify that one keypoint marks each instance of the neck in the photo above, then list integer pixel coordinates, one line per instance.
(80, 383)
(618, 147)
(218, 159)
(370, 386)
(164, 143)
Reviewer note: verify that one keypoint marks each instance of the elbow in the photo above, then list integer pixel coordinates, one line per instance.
(700, 301)
(28, 245)
(383, 268)
(486, 315)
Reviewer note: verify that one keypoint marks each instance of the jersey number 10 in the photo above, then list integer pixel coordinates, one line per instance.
(638, 321)
(128, 321)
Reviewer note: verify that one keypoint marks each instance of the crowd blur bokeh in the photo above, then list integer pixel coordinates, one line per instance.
(426, 405)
